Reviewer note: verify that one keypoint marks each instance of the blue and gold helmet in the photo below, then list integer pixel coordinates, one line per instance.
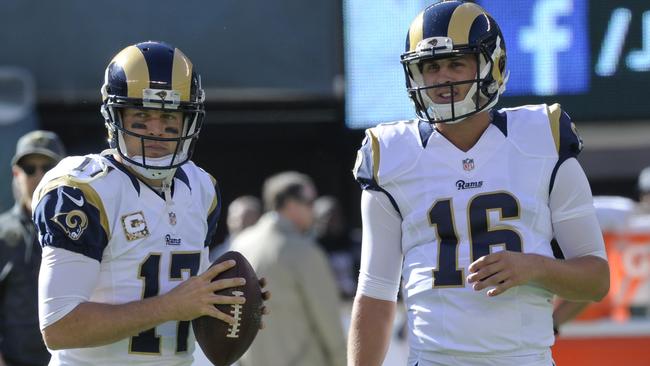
(448, 29)
(153, 76)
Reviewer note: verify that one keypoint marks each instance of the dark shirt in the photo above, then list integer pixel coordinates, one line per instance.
(21, 342)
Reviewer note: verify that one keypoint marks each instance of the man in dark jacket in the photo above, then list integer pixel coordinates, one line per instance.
(21, 343)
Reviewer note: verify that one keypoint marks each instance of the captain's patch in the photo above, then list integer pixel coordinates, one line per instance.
(134, 225)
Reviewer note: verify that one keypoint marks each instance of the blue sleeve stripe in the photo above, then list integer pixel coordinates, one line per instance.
(213, 214)
(553, 174)
(567, 140)
(366, 167)
(392, 200)
(557, 251)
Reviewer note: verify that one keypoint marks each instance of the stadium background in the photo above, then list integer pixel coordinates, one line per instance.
(290, 84)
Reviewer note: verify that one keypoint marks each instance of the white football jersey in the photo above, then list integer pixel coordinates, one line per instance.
(458, 206)
(146, 245)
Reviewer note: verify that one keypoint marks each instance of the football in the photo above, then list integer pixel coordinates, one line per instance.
(223, 343)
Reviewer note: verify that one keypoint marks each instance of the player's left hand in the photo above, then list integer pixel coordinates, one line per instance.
(266, 295)
(502, 270)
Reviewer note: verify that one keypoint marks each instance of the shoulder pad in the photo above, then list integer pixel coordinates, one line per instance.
(367, 164)
(542, 130)
(387, 150)
(84, 168)
(214, 210)
(568, 142)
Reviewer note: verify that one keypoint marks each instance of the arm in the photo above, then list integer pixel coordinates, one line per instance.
(566, 310)
(65, 311)
(381, 259)
(580, 279)
(370, 331)
(583, 276)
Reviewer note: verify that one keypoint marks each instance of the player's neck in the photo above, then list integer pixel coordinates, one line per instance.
(156, 183)
(465, 134)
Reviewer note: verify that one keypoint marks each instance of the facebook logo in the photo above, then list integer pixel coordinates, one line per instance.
(547, 44)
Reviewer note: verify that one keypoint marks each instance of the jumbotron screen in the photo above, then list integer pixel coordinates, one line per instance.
(593, 57)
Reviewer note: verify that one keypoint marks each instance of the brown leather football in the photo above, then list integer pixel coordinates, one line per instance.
(223, 343)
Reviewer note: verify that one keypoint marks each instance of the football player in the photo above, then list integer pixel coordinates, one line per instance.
(463, 202)
(125, 233)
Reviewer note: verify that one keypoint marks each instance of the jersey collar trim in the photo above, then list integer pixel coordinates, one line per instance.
(123, 169)
(182, 176)
(500, 120)
(426, 129)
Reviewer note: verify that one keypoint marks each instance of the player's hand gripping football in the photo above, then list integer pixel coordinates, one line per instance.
(266, 295)
(502, 270)
(196, 296)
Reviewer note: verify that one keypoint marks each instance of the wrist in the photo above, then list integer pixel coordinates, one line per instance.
(538, 267)
(163, 310)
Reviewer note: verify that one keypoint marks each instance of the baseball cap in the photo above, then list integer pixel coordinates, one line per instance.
(644, 180)
(39, 142)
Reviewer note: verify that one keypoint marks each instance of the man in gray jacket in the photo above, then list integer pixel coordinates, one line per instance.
(305, 327)
(21, 343)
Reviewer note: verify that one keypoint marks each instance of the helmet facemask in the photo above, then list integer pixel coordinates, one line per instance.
(153, 167)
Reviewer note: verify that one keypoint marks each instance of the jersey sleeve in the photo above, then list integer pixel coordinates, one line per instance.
(213, 213)
(367, 163)
(568, 142)
(381, 251)
(366, 167)
(71, 215)
(60, 285)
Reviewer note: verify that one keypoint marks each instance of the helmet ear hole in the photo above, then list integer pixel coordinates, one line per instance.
(502, 64)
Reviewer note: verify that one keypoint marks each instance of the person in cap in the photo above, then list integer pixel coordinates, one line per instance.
(20, 254)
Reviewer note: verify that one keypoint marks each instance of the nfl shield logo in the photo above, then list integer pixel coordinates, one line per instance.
(468, 164)
(172, 218)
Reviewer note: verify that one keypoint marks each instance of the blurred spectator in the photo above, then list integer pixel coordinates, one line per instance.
(17, 117)
(333, 234)
(305, 327)
(243, 212)
(20, 254)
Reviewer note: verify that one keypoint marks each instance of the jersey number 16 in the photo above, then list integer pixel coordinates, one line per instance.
(482, 235)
